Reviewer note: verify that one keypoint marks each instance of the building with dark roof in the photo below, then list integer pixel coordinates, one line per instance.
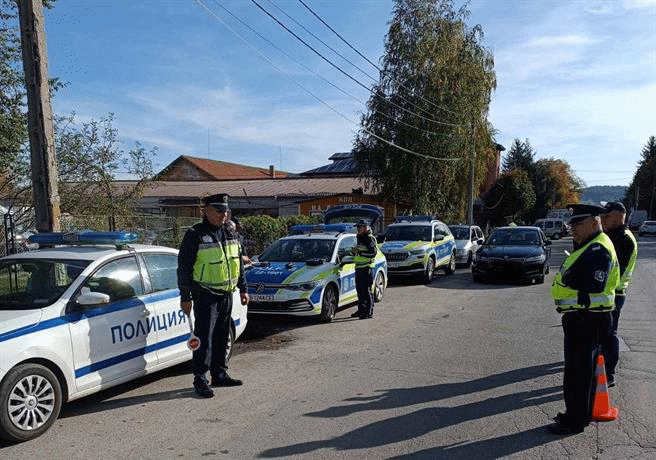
(343, 164)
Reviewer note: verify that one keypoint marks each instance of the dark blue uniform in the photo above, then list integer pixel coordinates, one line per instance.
(212, 311)
(624, 247)
(583, 332)
(364, 276)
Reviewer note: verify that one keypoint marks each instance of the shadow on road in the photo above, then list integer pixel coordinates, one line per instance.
(461, 279)
(409, 426)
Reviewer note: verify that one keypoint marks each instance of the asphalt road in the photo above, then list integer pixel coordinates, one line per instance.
(452, 370)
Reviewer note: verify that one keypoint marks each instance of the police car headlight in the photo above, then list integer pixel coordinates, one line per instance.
(307, 286)
(460, 252)
(418, 252)
(536, 259)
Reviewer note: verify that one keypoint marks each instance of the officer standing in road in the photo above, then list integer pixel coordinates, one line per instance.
(210, 269)
(613, 220)
(364, 254)
(584, 292)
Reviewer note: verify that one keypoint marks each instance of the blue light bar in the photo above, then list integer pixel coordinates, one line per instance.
(77, 238)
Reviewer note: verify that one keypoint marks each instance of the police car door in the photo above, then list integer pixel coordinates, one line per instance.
(346, 278)
(445, 245)
(114, 341)
(164, 297)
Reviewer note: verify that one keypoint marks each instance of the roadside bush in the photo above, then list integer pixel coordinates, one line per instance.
(260, 231)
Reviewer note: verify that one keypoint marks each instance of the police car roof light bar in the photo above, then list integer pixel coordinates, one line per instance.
(86, 237)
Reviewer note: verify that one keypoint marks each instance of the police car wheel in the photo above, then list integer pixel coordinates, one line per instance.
(430, 270)
(379, 287)
(451, 267)
(328, 304)
(31, 399)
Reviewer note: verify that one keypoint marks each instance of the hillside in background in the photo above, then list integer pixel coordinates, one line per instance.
(603, 193)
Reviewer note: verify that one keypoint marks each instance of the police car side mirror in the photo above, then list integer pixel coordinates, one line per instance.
(345, 260)
(88, 298)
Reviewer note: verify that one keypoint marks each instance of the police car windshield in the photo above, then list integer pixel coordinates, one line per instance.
(34, 283)
(409, 233)
(298, 250)
(514, 237)
(460, 233)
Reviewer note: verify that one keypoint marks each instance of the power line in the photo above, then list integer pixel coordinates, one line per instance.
(349, 95)
(366, 59)
(390, 143)
(343, 71)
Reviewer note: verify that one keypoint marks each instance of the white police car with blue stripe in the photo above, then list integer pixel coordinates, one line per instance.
(92, 311)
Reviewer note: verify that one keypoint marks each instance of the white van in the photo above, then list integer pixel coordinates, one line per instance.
(554, 228)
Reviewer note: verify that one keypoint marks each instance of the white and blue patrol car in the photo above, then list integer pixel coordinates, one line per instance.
(84, 316)
(311, 273)
(417, 246)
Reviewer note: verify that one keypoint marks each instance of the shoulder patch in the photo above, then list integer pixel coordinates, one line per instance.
(600, 275)
(207, 239)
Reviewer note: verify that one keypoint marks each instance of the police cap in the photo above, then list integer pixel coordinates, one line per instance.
(614, 206)
(362, 223)
(581, 212)
(218, 201)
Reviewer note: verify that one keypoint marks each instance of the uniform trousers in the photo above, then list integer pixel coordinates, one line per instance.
(611, 346)
(363, 283)
(212, 315)
(583, 333)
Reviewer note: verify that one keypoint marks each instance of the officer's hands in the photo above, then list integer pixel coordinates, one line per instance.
(583, 298)
(244, 298)
(354, 251)
(186, 306)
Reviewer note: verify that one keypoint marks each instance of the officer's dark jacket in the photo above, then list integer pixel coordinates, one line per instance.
(189, 249)
(624, 246)
(369, 242)
(590, 271)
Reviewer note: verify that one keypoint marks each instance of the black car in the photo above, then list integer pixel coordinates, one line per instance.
(514, 253)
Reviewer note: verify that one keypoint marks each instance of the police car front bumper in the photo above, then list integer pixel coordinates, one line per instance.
(300, 307)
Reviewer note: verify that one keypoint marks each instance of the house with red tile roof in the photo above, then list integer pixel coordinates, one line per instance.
(186, 168)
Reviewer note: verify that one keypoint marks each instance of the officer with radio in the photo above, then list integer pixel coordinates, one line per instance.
(584, 292)
(364, 254)
(613, 219)
(210, 269)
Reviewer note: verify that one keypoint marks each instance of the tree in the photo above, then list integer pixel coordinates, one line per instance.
(511, 198)
(428, 112)
(640, 194)
(520, 156)
(89, 160)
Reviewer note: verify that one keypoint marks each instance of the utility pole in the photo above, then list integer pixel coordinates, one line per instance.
(39, 112)
(470, 200)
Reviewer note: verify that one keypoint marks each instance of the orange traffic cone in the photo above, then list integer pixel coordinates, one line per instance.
(601, 408)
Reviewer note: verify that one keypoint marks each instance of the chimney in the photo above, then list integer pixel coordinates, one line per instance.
(272, 171)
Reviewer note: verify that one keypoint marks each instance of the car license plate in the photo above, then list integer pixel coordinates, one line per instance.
(261, 297)
(393, 264)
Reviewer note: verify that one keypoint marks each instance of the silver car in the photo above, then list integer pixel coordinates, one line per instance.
(468, 239)
(649, 227)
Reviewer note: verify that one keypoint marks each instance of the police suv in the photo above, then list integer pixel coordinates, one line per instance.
(311, 273)
(89, 312)
(417, 246)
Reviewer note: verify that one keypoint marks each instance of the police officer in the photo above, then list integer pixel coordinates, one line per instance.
(584, 292)
(210, 269)
(613, 220)
(364, 254)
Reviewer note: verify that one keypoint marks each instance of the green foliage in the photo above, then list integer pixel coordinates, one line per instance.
(416, 142)
(640, 194)
(89, 160)
(512, 198)
(261, 231)
(520, 156)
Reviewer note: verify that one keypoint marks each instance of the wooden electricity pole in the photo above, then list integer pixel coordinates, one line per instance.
(39, 113)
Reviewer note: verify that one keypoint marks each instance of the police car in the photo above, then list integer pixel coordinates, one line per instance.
(90, 312)
(311, 273)
(417, 246)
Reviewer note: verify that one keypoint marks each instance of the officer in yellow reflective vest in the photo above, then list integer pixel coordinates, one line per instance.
(210, 269)
(613, 220)
(584, 292)
(364, 254)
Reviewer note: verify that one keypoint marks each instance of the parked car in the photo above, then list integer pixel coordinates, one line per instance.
(514, 253)
(636, 219)
(81, 317)
(310, 274)
(417, 246)
(552, 227)
(468, 239)
(649, 227)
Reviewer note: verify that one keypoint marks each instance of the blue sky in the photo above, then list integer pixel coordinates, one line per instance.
(575, 77)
